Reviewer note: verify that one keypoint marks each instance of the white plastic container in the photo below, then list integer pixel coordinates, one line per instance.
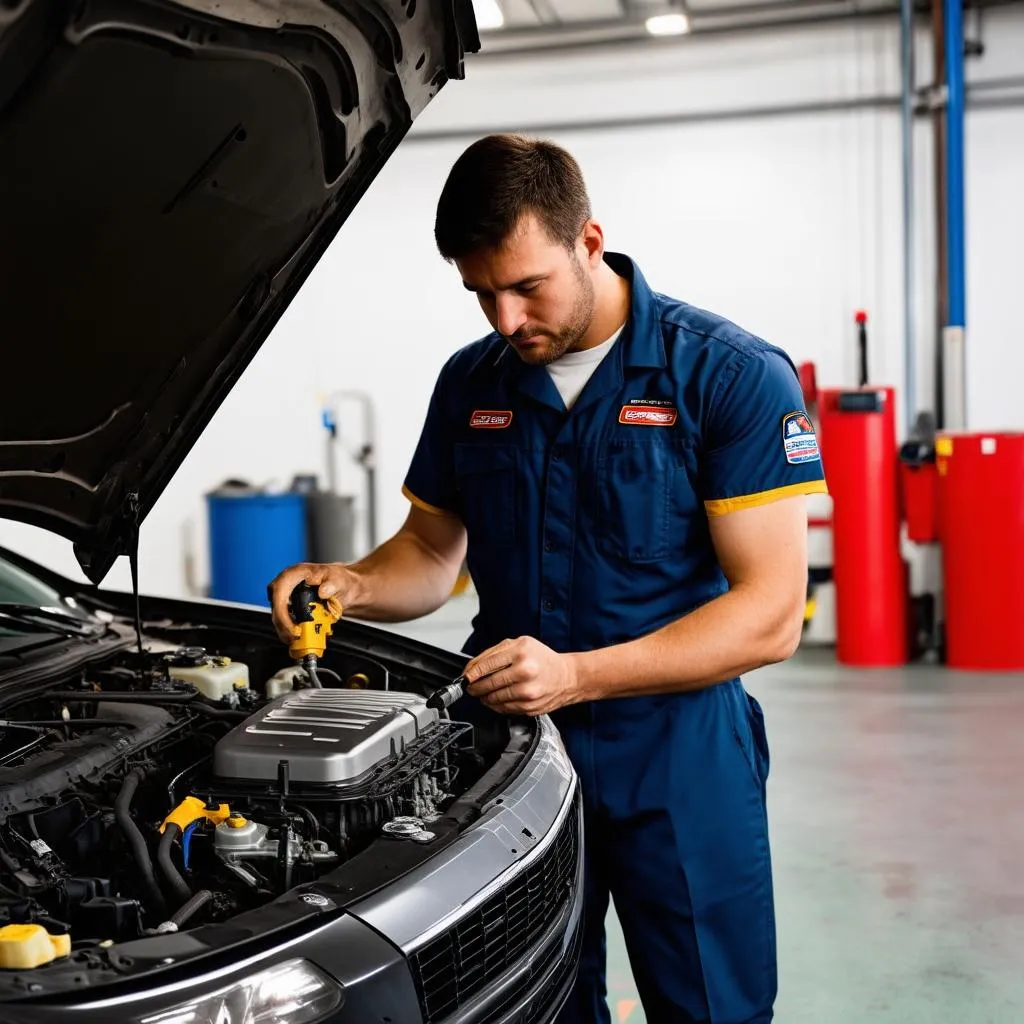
(214, 679)
(283, 682)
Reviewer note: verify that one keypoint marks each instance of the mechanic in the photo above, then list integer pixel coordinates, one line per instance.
(625, 475)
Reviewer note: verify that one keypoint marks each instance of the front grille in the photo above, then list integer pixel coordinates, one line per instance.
(450, 969)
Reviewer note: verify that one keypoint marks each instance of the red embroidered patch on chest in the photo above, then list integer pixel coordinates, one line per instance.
(648, 416)
(490, 419)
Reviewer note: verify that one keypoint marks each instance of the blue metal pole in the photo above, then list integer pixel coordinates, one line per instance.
(909, 282)
(957, 320)
(955, 159)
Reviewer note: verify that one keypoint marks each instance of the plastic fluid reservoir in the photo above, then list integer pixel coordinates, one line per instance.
(214, 677)
(284, 681)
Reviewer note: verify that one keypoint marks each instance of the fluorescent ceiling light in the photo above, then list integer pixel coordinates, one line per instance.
(668, 25)
(488, 14)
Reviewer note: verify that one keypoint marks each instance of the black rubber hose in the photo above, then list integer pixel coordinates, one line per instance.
(230, 714)
(196, 903)
(127, 697)
(309, 664)
(167, 868)
(71, 723)
(137, 842)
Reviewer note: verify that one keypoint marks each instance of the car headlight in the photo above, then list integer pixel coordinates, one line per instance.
(294, 992)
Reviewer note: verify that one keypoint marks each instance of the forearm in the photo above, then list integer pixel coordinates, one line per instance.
(742, 630)
(403, 579)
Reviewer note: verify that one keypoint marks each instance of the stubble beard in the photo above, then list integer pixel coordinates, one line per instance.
(571, 331)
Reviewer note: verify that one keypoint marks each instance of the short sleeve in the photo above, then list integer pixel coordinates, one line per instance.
(760, 443)
(430, 481)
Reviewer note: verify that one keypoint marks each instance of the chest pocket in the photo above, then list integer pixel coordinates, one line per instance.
(488, 489)
(646, 501)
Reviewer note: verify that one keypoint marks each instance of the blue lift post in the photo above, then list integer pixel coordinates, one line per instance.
(955, 384)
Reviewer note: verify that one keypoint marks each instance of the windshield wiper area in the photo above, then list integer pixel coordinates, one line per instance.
(40, 619)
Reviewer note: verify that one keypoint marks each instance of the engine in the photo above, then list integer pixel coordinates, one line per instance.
(154, 792)
(309, 776)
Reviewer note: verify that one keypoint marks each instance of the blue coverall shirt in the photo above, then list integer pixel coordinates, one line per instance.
(590, 527)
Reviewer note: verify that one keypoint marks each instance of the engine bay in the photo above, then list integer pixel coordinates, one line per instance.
(204, 776)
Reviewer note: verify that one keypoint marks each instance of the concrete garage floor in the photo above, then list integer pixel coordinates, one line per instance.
(897, 818)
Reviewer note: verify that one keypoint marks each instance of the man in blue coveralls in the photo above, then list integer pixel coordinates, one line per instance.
(625, 476)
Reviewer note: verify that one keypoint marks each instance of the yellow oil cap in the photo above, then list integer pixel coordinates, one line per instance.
(237, 821)
(24, 946)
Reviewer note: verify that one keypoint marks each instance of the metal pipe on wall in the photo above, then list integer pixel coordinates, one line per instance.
(639, 122)
(954, 333)
(909, 284)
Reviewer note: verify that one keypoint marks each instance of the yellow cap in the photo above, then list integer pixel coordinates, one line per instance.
(24, 946)
(193, 809)
(237, 821)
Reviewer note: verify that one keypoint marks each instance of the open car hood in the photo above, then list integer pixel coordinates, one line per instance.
(171, 172)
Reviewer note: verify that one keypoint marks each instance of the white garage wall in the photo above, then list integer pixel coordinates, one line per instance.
(787, 225)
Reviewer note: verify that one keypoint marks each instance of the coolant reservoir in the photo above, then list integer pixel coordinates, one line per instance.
(283, 681)
(214, 677)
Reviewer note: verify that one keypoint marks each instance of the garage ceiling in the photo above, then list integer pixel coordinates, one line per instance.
(528, 25)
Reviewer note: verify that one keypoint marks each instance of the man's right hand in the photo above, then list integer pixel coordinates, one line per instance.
(410, 575)
(333, 580)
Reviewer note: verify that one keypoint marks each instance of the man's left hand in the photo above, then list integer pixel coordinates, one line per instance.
(523, 677)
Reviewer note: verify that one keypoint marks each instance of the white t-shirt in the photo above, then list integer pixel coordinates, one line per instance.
(572, 371)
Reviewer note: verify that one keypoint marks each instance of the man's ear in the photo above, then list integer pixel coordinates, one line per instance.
(592, 242)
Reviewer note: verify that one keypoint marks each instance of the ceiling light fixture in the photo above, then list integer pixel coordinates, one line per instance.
(668, 24)
(488, 14)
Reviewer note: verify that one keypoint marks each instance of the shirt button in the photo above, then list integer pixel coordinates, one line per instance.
(557, 455)
(548, 546)
(549, 606)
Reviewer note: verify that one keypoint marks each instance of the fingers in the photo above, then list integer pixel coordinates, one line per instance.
(512, 702)
(491, 661)
(280, 591)
(500, 679)
(518, 677)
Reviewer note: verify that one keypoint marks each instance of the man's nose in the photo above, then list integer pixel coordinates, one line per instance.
(510, 313)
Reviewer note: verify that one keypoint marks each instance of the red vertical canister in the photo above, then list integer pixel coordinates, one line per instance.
(859, 456)
(981, 511)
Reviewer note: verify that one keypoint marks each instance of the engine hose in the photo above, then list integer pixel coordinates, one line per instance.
(128, 696)
(71, 723)
(137, 842)
(196, 903)
(167, 868)
(309, 664)
(229, 714)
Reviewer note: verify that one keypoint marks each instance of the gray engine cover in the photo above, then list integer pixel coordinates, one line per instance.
(327, 736)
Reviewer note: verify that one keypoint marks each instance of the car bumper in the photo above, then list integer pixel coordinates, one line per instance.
(488, 930)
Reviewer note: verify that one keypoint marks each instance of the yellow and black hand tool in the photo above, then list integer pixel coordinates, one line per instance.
(315, 616)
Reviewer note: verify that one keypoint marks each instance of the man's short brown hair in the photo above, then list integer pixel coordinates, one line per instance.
(498, 180)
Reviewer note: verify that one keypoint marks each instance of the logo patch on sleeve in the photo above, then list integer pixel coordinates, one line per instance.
(799, 439)
(648, 413)
(490, 419)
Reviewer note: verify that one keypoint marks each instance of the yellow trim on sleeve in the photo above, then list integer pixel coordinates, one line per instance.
(721, 506)
(421, 504)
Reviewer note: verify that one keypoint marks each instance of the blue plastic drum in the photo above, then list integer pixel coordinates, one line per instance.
(252, 537)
